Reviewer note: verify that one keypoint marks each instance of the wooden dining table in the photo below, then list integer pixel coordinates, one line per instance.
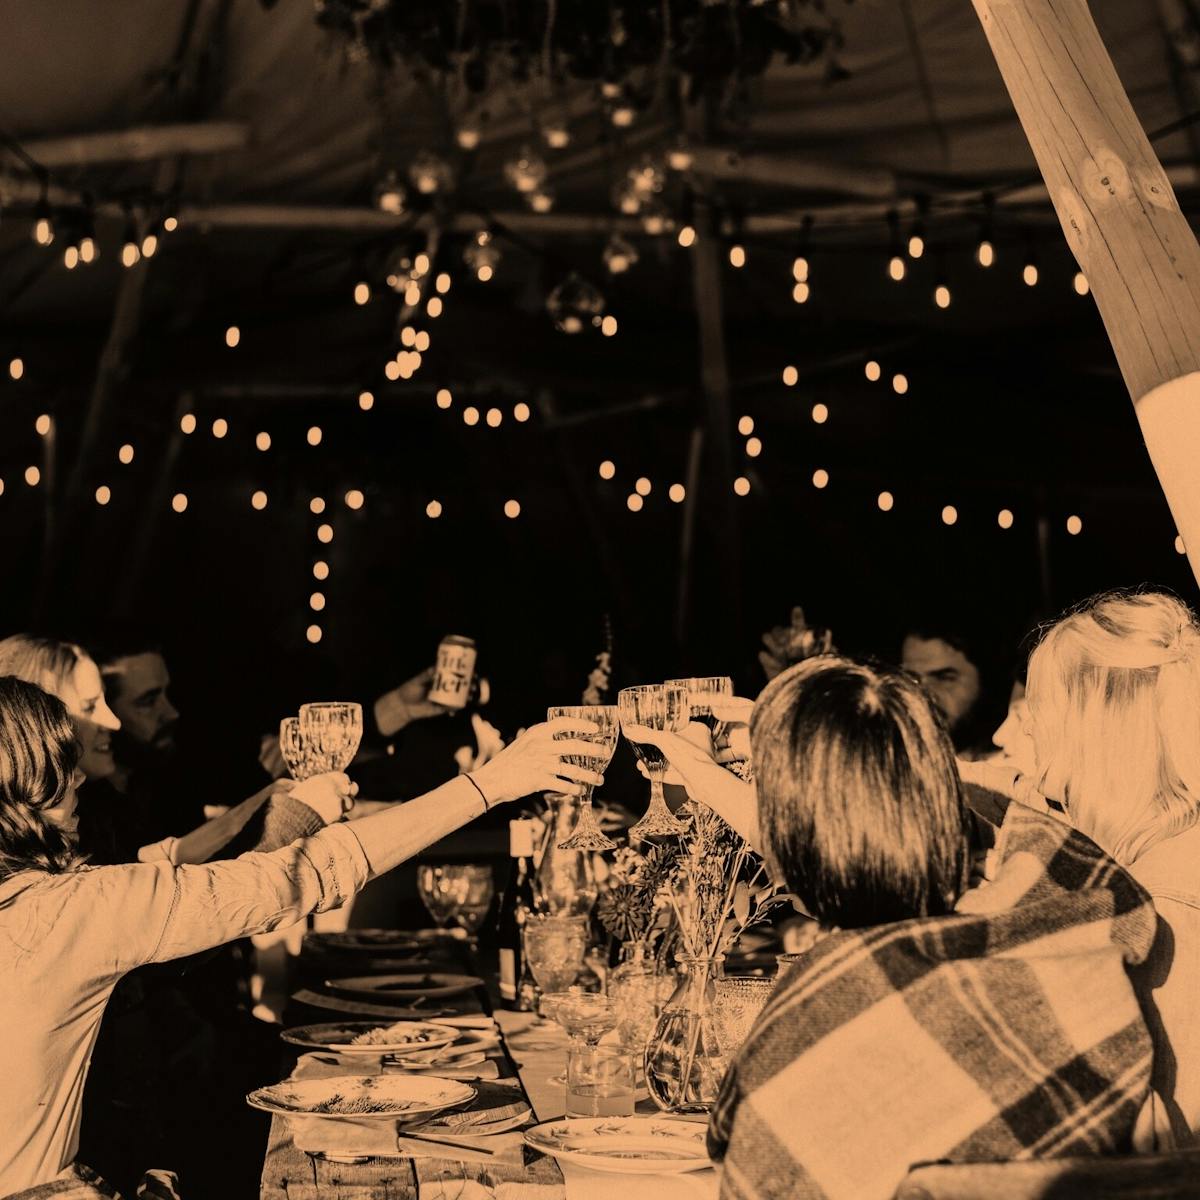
(530, 1053)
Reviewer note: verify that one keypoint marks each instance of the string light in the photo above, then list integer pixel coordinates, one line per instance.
(941, 296)
(494, 417)
(949, 515)
(391, 370)
(408, 336)
(316, 506)
(179, 502)
(687, 237)
(320, 569)
(790, 376)
(745, 426)
(131, 254)
(150, 245)
(170, 223)
(354, 499)
(677, 492)
(314, 435)
(421, 264)
(258, 501)
(366, 401)
(87, 249)
(753, 447)
(1074, 525)
(125, 454)
(800, 263)
(608, 326)
(642, 486)
(512, 509)
(316, 601)
(1, 487)
(412, 295)
(471, 416)
(313, 633)
(741, 486)
(434, 308)
(820, 478)
(916, 236)
(899, 384)
(32, 476)
(737, 256)
(220, 427)
(187, 423)
(233, 335)
(886, 501)
(103, 494)
(444, 398)
(607, 469)
(42, 424)
(43, 226)
(325, 534)
(985, 253)
(521, 411)
(484, 273)
(263, 441)
(1081, 284)
(433, 509)
(442, 283)
(820, 414)
(71, 256)
(421, 342)
(1004, 519)
(634, 502)
(16, 368)
(1179, 546)
(897, 267)
(362, 293)
(801, 293)
(1029, 273)
(874, 371)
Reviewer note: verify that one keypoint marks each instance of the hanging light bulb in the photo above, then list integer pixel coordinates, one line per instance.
(1029, 273)
(526, 171)
(916, 239)
(656, 219)
(941, 295)
(390, 196)
(619, 255)
(680, 157)
(88, 250)
(482, 255)
(43, 223)
(574, 303)
(468, 133)
(897, 267)
(71, 253)
(131, 251)
(646, 177)
(150, 243)
(541, 201)
(985, 254)
(687, 236)
(555, 134)
(737, 256)
(625, 199)
(429, 173)
(800, 264)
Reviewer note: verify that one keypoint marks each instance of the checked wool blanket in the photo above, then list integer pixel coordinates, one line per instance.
(1007, 1030)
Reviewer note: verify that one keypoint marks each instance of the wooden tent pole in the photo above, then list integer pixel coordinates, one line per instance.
(1122, 222)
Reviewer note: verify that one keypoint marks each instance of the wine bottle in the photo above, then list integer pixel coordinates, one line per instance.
(516, 990)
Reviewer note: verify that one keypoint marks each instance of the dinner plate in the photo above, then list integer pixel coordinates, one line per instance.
(405, 1036)
(366, 941)
(382, 1097)
(623, 1145)
(404, 987)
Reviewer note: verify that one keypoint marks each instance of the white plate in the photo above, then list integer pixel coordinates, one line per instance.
(624, 1145)
(338, 1036)
(389, 1096)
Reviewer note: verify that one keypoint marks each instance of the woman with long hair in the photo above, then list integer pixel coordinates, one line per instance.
(68, 932)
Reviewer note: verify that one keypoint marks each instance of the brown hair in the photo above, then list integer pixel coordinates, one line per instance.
(859, 797)
(38, 755)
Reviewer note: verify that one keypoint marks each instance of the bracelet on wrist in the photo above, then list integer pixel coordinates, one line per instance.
(486, 803)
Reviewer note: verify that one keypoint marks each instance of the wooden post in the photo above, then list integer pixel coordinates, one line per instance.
(1122, 221)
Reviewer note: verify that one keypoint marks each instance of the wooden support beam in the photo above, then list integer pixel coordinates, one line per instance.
(838, 179)
(1122, 222)
(144, 144)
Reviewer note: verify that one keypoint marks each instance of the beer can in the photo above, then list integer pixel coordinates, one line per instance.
(454, 671)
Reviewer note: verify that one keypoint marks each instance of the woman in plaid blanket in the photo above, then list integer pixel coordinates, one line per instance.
(929, 1025)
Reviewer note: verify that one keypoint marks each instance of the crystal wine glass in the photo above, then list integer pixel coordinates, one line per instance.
(587, 834)
(297, 751)
(475, 891)
(554, 950)
(701, 689)
(440, 890)
(334, 730)
(586, 1017)
(657, 706)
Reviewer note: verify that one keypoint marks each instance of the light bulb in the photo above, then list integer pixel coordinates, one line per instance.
(1074, 525)
(985, 256)
(512, 509)
(444, 398)
(687, 236)
(220, 427)
(521, 411)
(494, 417)
(886, 501)
(233, 335)
(125, 454)
(1030, 274)
(325, 534)
(873, 371)
(677, 492)
(16, 368)
(753, 447)
(32, 476)
(899, 384)
(103, 494)
(42, 424)
(791, 376)
(434, 307)
(1004, 519)
(362, 293)
(313, 633)
(916, 245)
(314, 435)
(949, 514)
(820, 478)
(258, 501)
(737, 256)
(187, 423)
(941, 296)
(316, 506)
(634, 502)
(608, 326)
(433, 509)
(741, 486)
(642, 486)
(801, 293)
(820, 414)
(320, 570)
(897, 268)
(607, 469)
(471, 416)
(1081, 284)
(366, 401)
(800, 268)
(179, 502)
(263, 440)
(745, 426)
(442, 283)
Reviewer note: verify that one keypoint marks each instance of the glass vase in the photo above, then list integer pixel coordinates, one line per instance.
(684, 1061)
(638, 987)
(565, 878)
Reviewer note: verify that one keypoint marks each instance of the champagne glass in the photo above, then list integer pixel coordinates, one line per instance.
(587, 834)
(701, 689)
(297, 750)
(335, 730)
(657, 706)
(440, 891)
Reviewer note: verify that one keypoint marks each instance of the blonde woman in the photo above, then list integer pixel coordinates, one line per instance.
(1114, 711)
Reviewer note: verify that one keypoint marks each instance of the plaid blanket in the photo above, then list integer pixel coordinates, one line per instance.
(1009, 1030)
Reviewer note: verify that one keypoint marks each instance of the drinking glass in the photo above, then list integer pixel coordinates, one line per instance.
(475, 891)
(554, 949)
(587, 834)
(334, 730)
(440, 890)
(297, 750)
(601, 1081)
(585, 1016)
(657, 706)
(700, 690)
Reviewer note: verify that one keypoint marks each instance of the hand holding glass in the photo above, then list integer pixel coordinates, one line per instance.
(656, 706)
(587, 834)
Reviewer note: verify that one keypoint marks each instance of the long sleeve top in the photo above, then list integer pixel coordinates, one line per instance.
(66, 939)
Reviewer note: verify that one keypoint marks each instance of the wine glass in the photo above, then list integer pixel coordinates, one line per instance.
(554, 950)
(586, 1017)
(587, 834)
(475, 889)
(440, 890)
(334, 730)
(657, 706)
(701, 689)
(296, 749)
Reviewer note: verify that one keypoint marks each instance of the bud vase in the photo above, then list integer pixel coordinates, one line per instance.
(684, 1061)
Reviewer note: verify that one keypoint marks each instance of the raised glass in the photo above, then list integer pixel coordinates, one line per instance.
(587, 834)
(656, 706)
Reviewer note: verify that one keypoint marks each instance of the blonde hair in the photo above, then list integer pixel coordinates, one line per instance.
(1114, 699)
(48, 663)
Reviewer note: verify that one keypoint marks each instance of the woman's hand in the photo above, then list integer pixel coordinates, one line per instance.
(532, 762)
(330, 796)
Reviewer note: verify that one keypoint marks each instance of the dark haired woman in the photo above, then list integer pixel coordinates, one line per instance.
(927, 1025)
(69, 932)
